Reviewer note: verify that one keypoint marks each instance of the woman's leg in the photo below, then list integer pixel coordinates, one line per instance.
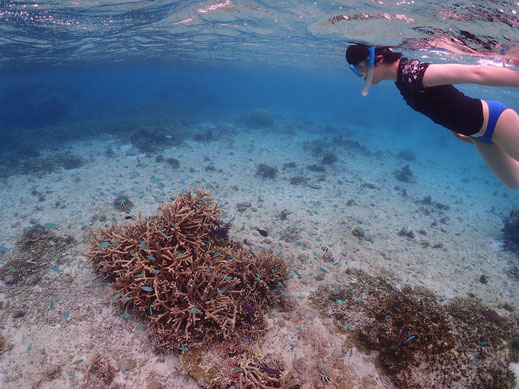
(506, 134)
(499, 161)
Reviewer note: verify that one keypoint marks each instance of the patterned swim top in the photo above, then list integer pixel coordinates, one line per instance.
(443, 104)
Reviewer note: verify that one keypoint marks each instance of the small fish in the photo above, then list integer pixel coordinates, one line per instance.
(150, 257)
(116, 296)
(51, 225)
(215, 227)
(91, 221)
(325, 379)
(169, 137)
(216, 254)
(324, 248)
(56, 269)
(263, 232)
(101, 245)
(77, 362)
(193, 310)
(52, 303)
(122, 203)
(127, 210)
(3, 248)
(67, 315)
(147, 288)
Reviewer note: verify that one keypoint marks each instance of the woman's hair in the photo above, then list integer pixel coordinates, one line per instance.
(357, 53)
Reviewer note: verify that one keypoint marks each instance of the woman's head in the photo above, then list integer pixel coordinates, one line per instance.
(355, 54)
(364, 59)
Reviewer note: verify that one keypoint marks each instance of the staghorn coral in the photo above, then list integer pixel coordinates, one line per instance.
(190, 283)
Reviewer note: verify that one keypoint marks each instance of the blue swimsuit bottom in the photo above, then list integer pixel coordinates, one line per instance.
(495, 109)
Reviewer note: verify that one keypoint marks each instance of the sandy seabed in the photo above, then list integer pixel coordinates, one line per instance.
(54, 347)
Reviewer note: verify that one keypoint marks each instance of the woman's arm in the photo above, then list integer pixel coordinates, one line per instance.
(463, 138)
(436, 75)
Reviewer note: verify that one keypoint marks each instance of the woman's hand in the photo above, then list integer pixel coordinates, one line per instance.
(463, 138)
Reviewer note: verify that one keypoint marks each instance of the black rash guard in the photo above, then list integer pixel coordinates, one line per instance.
(444, 104)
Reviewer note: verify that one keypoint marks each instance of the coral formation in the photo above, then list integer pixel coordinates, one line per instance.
(329, 158)
(173, 162)
(511, 231)
(3, 346)
(178, 271)
(233, 363)
(153, 140)
(259, 118)
(405, 175)
(204, 136)
(266, 171)
(316, 168)
(463, 344)
(122, 203)
(29, 258)
(407, 154)
(298, 180)
(100, 373)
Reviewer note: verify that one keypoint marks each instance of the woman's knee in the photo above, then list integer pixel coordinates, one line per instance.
(512, 185)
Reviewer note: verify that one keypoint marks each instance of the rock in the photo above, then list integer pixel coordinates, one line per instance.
(242, 207)
(53, 372)
(18, 312)
(358, 232)
(299, 365)
(337, 353)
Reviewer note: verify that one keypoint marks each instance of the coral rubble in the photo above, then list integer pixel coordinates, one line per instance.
(420, 342)
(181, 274)
(28, 260)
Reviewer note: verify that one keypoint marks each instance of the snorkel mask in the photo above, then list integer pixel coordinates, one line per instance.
(371, 68)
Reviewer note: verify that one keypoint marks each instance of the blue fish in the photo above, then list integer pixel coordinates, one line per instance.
(3, 248)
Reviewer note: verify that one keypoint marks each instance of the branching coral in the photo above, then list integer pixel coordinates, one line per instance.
(254, 375)
(190, 283)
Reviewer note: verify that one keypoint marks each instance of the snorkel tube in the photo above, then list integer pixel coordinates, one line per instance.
(371, 68)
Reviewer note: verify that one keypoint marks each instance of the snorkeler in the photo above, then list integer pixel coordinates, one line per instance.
(427, 88)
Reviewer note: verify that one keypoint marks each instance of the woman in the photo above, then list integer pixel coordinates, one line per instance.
(427, 88)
